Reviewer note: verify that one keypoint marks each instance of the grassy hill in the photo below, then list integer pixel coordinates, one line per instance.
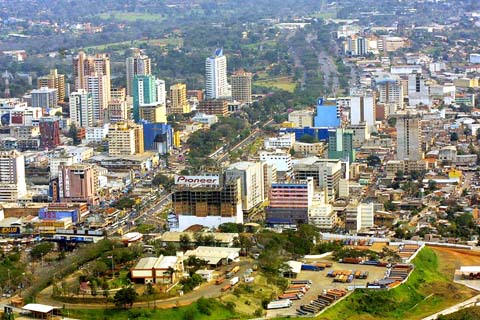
(428, 290)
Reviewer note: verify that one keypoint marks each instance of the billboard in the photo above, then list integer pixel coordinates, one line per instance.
(197, 180)
(10, 230)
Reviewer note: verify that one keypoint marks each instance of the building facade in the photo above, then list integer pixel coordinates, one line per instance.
(53, 80)
(216, 85)
(242, 86)
(12, 176)
(81, 108)
(138, 64)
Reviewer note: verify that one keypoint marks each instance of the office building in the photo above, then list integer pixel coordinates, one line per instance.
(252, 178)
(153, 112)
(362, 109)
(217, 107)
(118, 94)
(117, 111)
(365, 215)
(340, 145)
(144, 92)
(321, 213)
(390, 93)
(161, 92)
(138, 64)
(12, 176)
(361, 134)
(96, 134)
(158, 137)
(77, 183)
(289, 202)
(208, 205)
(301, 118)
(178, 99)
(418, 91)
(409, 138)
(53, 81)
(45, 98)
(280, 159)
(216, 85)
(84, 66)
(327, 114)
(98, 86)
(326, 174)
(49, 133)
(81, 108)
(282, 141)
(125, 139)
(242, 86)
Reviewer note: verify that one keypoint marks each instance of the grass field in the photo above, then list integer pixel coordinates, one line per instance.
(218, 312)
(283, 83)
(131, 16)
(126, 44)
(428, 290)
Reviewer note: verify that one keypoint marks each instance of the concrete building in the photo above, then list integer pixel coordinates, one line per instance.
(281, 160)
(390, 93)
(84, 66)
(98, 86)
(153, 112)
(216, 85)
(125, 139)
(361, 134)
(178, 99)
(117, 111)
(144, 93)
(362, 109)
(309, 149)
(45, 98)
(252, 179)
(301, 118)
(161, 92)
(365, 215)
(77, 183)
(282, 141)
(418, 91)
(49, 133)
(242, 86)
(53, 80)
(326, 173)
(321, 213)
(340, 145)
(12, 176)
(206, 119)
(208, 205)
(290, 202)
(138, 64)
(158, 137)
(96, 134)
(161, 270)
(81, 108)
(218, 107)
(409, 137)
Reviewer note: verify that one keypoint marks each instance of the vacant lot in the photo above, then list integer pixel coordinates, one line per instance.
(283, 83)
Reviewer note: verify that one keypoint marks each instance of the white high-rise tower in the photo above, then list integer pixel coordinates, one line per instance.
(216, 76)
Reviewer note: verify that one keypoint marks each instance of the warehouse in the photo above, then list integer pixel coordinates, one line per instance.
(161, 270)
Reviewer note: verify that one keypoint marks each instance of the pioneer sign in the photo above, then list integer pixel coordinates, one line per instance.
(197, 180)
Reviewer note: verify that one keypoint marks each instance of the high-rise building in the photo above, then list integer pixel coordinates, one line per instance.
(138, 64)
(125, 139)
(218, 107)
(216, 85)
(409, 142)
(117, 111)
(53, 81)
(161, 92)
(340, 145)
(328, 114)
(12, 176)
(45, 98)
(144, 92)
(242, 86)
(77, 183)
(418, 92)
(362, 109)
(96, 84)
(153, 112)
(252, 179)
(49, 133)
(84, 66)
(390, 94)
(361, 46)
(290, 202)
(81, 108)
(158, 137)
(118, 94)
(178, 98)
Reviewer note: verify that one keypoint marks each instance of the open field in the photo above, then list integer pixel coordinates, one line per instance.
(131, 16)
(428, 290)
(283, 83)
(125, 44)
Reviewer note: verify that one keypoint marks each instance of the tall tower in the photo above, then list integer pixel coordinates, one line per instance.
(49, 133)
(53, 81)
(81, 108)
(84, 66)
(409, 145)
(97, 85)
(216, 76)
(242, 86)
(178, 97)
(12, 176)
(138, 64)
(144, 92)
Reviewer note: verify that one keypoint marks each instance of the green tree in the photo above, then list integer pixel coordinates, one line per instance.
(41, 250)
(149, 292)
(185, 241)
(125, 297)
(454, 136)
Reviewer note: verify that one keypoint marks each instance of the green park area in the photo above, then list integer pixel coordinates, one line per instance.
(131, 16)
(282, 83)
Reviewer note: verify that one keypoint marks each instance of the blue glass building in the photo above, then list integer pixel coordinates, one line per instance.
(327, 115)
(158, 137)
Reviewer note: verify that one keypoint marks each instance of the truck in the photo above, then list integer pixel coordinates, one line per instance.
(232, 271)
(234, 281)
(226, 288)
(301, 282)
(310, 267)
(220, 280)
(279, 304)
(351, 260)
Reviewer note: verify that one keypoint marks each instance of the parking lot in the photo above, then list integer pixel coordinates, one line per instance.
(321, 282)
